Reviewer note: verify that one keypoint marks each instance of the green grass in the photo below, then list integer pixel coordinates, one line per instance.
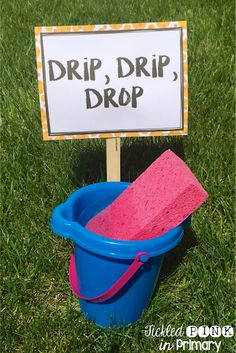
(38, 311)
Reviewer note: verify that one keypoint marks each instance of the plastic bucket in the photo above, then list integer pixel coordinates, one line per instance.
(115, 278)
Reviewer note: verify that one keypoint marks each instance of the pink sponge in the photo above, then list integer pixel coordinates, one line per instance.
(159, 199)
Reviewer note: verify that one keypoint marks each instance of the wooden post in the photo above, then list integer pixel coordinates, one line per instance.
(113, 159)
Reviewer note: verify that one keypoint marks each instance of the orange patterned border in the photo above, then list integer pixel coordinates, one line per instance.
(109, 27)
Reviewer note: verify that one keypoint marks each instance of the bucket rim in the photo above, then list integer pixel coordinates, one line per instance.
(121, 249)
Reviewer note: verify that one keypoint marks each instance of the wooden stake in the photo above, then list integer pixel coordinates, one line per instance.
(113, 159)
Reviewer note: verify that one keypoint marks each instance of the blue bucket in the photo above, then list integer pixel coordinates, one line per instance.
(103, 263)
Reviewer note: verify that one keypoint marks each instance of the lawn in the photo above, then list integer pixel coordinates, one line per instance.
(38, 311)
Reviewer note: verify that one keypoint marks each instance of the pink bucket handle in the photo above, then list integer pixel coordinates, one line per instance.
(116, 287)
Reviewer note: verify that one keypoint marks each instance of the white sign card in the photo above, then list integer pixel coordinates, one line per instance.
(112, 82)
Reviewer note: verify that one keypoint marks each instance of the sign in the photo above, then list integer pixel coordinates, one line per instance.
(112, 80)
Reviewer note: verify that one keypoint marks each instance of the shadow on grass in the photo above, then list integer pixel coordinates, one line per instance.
(89, 163)
(174, 257)
(138, 156)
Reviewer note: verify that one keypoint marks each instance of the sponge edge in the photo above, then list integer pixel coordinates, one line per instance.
(159, 199)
